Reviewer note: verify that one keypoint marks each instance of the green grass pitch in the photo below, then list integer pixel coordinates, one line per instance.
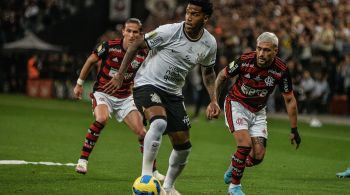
(54, 130)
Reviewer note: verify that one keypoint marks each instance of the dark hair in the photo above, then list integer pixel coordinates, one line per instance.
(206, 5)
(133, 20)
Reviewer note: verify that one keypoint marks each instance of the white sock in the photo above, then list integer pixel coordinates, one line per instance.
(234, 185)
(177, 162)
(152, 142)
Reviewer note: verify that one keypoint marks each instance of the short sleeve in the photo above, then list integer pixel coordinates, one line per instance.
(101, 50)
(210, 59)
(233, 68)
(159, 36)
(285, 84)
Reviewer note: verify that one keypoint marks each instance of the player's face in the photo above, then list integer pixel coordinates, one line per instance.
(131, 32)
(195, 19)
(265, 53)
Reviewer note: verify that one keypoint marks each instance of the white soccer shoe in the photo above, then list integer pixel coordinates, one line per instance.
(172, 191)
(158, 175)
(81, 166)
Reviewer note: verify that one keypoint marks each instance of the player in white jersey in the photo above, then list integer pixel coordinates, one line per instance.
(175, 49)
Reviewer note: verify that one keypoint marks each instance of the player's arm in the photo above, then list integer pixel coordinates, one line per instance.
(117, 80)
(292, 110)
(90, 61)
(208, 75)
(285, 86)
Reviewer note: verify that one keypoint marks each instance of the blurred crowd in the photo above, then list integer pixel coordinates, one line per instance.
(314, 39)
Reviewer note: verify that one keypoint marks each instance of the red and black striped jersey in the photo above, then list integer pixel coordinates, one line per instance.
(255, 84)
(111, 54)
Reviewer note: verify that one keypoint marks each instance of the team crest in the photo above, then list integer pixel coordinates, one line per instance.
(155, 98)
(269, 81)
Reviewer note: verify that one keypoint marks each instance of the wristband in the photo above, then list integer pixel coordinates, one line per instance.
(80, 81)
(295, 129)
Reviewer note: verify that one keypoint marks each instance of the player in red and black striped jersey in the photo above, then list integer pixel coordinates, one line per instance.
(257, 74)
(120, 104)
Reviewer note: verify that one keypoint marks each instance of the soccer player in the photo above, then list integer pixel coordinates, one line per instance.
(119, 104)
(344, 174)
(257, 74)
(175, 49)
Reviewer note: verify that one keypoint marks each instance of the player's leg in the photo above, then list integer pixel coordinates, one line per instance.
(101, 113)
(134, 121)
(153, 138)
(149, 102)
(237, 118)
(178, 131)
(257, 153)
(178, 157)
(258, 133)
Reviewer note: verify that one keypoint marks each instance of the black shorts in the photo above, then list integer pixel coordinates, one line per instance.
(149, 95)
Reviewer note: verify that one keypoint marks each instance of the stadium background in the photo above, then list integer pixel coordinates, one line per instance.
(314, 42)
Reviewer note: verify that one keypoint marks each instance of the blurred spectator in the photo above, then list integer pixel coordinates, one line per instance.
(32, 67)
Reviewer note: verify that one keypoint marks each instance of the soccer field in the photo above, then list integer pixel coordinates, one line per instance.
(53, 131)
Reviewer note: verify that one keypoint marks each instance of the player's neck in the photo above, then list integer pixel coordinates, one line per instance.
(194, 35)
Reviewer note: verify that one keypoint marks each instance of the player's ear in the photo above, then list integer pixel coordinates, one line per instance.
(206, 18)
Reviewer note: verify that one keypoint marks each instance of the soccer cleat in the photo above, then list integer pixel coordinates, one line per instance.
(158, 175)
(237, 190)
(81, 166)
(346, 173)
(228, 175)
(172, 191)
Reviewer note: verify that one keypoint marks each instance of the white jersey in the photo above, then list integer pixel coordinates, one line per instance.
(172, 55)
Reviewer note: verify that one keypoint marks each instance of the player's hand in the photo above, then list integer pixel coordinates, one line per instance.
(78, 91)
(114, 84)
(295, 137)
(213, 110)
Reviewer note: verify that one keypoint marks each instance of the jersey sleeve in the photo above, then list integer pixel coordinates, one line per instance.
(233, 68)
(158, 37)
(210, 59)
(101, 50)
(285, 84)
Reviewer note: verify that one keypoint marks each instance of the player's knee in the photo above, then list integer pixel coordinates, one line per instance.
(158, 123)
(180, 154)
(102, 119)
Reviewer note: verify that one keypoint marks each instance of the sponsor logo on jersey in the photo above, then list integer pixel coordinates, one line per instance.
(155, 41)
(155, 98)
(247, 65)
(114, 49)
(269, 81)
(249, 91)
(189, 50)
(247, 76)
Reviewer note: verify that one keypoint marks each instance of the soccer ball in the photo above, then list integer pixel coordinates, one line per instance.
(146, 185)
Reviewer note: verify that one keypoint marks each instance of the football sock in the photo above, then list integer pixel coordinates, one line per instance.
(152, 143)
(91, 139)
(250, 161)
(141, 142)
(177, 162)
(238, 163)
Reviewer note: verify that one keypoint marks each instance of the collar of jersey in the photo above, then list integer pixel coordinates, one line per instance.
(188, 37)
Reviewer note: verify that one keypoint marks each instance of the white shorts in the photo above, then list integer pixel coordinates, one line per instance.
(237, 117)
(119, 107)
